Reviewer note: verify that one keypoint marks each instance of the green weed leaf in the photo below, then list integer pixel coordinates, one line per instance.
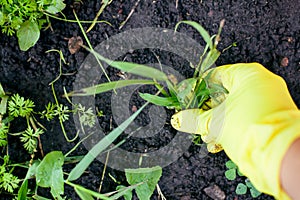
(149, 177)
(23, 190)
(2, 93)
(160, 101)
(50, 174)
(205, 35)
(22, 193)
(230, 165)
(185, 89)
(210, 59)
(104, 87)
(134, 68)
(28, 34)
(9, 182)
(18, 106)
(230, 174)
(79, 169)
(3, 105)
(56, 7)
(241, 189)
(126, 193)
(84, 195)
(253, 191)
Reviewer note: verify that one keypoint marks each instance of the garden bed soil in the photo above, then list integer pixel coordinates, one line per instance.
(263, 31)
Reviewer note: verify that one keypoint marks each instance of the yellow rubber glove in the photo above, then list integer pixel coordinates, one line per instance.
(255, 124)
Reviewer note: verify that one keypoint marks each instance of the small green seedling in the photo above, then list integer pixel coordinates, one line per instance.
(230, 174)
(232, 170)
(242, 189)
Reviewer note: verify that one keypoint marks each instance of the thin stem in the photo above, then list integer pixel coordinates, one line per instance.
(103, 173)
(75, 147)
(39, 138)
(74, 21)
(105, 3)
(90, 46)
(60, 121)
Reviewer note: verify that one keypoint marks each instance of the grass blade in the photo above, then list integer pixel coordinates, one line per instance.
(160, 101)
(200, 29)
(79, 169)
(90, 45)
(104, 87)
(134, 68)
(209, 60)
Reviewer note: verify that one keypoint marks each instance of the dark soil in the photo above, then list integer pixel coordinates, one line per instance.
(264, 31)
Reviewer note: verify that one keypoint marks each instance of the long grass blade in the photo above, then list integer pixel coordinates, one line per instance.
(79, 169)
(134, 68)
(160, 101)
(104, 87)
(200, 29)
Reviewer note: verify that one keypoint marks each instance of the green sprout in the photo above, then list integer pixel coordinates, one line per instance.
(241, 188)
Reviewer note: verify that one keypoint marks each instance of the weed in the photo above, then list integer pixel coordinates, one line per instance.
(25, 18)
(8, 181)
(241, 188)
(190, 93)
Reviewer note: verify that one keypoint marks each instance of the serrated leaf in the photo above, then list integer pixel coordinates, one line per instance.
(56, 7)
(241, 189)
(50, 174)
(147, 177)
(230, 174)
(28, 34)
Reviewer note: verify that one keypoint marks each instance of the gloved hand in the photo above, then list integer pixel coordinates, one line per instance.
(255, 124)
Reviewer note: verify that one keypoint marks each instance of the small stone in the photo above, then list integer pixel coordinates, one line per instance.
(215, 192)
(284, 62)
(74, 44)
(134, 109)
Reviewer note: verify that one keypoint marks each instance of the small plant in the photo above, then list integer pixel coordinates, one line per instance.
(232, 170)
(18, 106)
(8, 181)
(241, 188)
(193, 92)
(25, 18)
